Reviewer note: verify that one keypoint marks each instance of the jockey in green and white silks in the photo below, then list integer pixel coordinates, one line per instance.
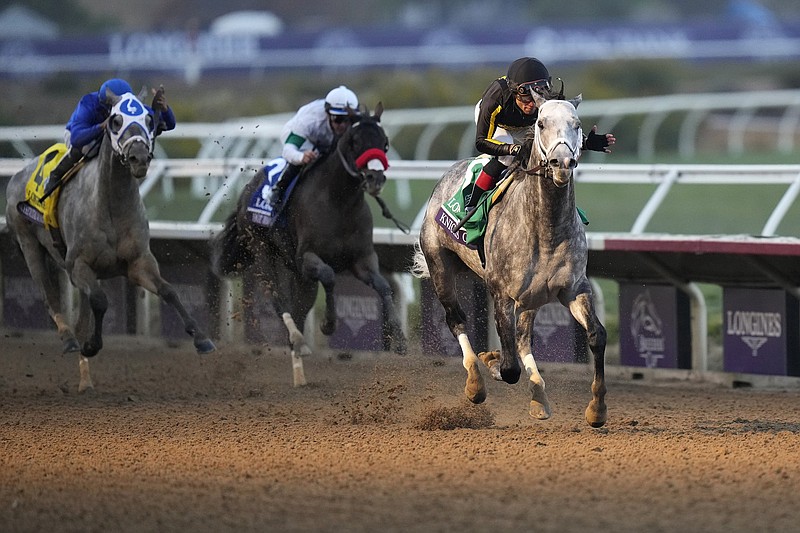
(312, 131)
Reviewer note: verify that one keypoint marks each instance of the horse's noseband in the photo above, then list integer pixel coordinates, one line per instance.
(545, 152)
(372, 159)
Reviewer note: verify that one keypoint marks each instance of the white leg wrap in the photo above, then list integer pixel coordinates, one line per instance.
(468, 354)
(532, 369)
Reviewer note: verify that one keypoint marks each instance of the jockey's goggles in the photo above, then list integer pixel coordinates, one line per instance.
(338, 119)
(524, 91)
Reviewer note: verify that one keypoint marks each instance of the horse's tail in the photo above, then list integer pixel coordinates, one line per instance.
(419, 268)
(229, 255)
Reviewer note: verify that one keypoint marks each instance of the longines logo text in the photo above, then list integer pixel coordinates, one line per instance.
(754, 323)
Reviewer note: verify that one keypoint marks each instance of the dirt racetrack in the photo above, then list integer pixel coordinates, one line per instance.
(171, 441)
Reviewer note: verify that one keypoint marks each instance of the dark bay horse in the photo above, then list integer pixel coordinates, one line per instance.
(328, 230)
(536, 253)
(103, 225)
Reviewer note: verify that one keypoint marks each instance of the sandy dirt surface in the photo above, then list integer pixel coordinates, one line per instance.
(171, 441)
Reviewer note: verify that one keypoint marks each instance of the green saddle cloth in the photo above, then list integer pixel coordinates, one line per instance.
(455, 207)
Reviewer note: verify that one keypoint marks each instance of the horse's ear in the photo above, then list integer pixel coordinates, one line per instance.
(538, 99)
(577, 100)
(378, 112)
(110, 98)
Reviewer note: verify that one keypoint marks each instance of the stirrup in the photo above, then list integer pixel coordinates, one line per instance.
(275, 195)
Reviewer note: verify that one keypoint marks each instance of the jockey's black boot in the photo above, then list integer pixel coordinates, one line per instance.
(486, 180)
(474, 196)
(277, 191)
(57, 174)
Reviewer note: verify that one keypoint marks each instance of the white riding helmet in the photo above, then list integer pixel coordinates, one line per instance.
(339, 99)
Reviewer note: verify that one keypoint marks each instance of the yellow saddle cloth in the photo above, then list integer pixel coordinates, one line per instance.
(37, 183)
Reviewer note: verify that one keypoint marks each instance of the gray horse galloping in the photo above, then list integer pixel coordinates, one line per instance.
(105, 232)
(536, 252)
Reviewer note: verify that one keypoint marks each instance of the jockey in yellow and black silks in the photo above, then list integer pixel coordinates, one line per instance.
(504, 114)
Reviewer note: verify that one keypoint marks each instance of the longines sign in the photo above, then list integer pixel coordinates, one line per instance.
(760, 332)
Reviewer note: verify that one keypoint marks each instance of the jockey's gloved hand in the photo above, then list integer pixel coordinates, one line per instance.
(159, 100)
(512, 149)
(596, 142)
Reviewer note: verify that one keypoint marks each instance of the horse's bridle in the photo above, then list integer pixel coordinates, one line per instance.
(134, 115)
(545, 152)
(363, 161)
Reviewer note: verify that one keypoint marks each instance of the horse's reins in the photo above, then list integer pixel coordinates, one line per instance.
(362, 178)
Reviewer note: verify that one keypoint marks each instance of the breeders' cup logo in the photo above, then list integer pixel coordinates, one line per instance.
(754, 328)
(647, 330)
(549, 319)
(357, 311)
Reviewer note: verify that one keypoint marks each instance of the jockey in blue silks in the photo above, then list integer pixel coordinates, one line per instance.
(88, 122)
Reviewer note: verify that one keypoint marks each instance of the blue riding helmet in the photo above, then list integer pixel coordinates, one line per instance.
(116, 86)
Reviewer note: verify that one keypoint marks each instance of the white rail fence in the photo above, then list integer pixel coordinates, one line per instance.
(768, 116)
(232, 174)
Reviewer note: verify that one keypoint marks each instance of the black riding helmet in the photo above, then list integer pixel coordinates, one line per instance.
(527, 74)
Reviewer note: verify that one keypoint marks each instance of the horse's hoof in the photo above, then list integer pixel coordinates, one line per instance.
(475, 397)
(327, 328)
(87, 390)
(204, 346)
(475, 388)
(540, 411)
(540, 405)
(401, 348)
(298, 373)
(304, 350)
(71, 346)
(596, 415)
(510, 375)
(90, 350)
(492, 362)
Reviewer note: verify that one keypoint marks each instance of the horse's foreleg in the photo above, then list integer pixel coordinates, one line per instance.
(299, 348)
(475, 389)
(540, 405)
(83, 328)
(507, 369)
(316, 269)
(85, 279)
(582, 308)
(86, 379)
(370, 275)
(144, 272)
(287, 296)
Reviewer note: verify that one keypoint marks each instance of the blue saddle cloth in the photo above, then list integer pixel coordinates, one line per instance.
(259, 209)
